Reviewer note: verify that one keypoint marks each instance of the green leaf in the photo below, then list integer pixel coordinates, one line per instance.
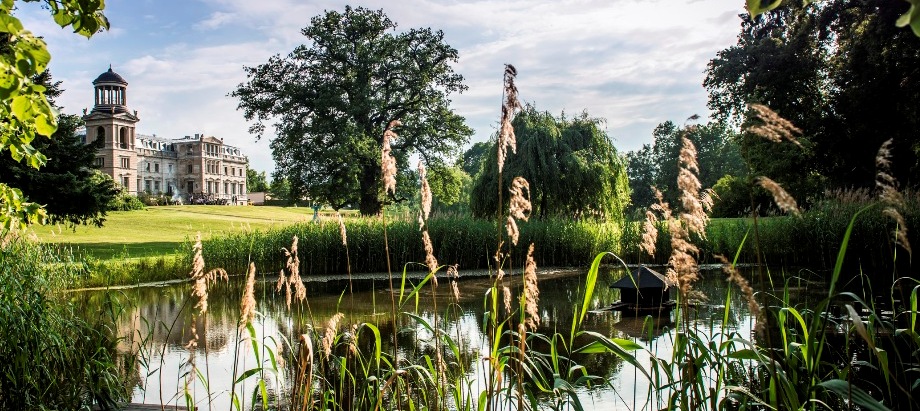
(247, 374)
(22, 108)
(853, 393)
(756, 7)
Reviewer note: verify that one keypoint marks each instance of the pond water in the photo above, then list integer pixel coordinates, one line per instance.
(157, 321)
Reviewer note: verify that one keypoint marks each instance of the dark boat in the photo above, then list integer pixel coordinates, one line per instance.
(644, 291)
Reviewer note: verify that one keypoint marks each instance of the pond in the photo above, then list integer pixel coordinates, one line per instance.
(157, 323)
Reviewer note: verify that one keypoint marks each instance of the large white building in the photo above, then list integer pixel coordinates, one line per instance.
(194, 168)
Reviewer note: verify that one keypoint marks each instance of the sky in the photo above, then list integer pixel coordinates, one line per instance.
(634, 64)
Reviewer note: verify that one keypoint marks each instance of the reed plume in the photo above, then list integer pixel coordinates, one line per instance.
(387, 161)
(531, 291)
(248, 302)
(773, 127)
(342, 231)
(293, 267)
(425, 191)
(890, 195)
(519, 207)
(454, 275)
(201, 279)
(739, 280)
(506, 297)
(649, 233)
(694, 213)
(782, 199)
(332, 328)
(510, 105)
(304, 380)
(430, 260)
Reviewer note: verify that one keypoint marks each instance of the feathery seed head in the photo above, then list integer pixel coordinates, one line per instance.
(342, 231)
(531, 291)
(387, 161)
(332, 328)
(649, 233)
(782, 199)
(773, 127)
(430, 260)
(510, 105)
(248, 302)
(426, 192)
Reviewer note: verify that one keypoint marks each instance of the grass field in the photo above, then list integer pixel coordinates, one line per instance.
(158, 231)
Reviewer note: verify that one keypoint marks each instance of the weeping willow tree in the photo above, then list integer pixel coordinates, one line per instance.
(572, 166)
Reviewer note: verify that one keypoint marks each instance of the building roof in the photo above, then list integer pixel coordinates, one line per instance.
(110, 77)
(644, 278)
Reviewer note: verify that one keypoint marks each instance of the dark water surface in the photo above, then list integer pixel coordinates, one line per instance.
(158, 324)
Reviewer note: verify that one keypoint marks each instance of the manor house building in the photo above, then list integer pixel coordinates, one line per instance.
(192, 167)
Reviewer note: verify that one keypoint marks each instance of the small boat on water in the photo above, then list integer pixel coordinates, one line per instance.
(644, 291)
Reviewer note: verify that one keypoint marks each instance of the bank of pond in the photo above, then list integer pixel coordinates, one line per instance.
(811, 240)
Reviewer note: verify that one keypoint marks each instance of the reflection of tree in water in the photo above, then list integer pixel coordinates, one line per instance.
(161, 317)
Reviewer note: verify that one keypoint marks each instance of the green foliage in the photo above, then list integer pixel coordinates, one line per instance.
(655, 165)
(457, 240)
(65, 186)
(23, 105)
(840, 71)
(50, 358)
(256, 181)
(449, 184)
(122, 200)
(573, 169)
(333, 98)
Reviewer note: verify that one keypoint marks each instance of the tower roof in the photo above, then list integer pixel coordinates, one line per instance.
(110, 77)
(642, 277)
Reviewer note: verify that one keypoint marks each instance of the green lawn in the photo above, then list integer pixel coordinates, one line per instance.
(156, 231)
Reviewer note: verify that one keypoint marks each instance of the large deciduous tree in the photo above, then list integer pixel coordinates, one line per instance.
(572, 167)
(842, 72)
(332, 99)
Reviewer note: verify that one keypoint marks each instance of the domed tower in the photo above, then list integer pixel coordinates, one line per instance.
(111, 122)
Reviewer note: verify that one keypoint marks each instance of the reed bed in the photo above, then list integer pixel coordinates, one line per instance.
(466, 241)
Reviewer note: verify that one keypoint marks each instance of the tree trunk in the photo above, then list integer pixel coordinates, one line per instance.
(370, 189)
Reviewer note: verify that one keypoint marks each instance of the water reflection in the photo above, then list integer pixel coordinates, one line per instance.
(157, 324)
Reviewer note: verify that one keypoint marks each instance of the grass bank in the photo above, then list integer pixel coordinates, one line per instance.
(157, 231)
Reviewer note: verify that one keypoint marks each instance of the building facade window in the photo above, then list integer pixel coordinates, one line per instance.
(125, 182)
(156, 187)
(100, 162)
(156, 167)
(147, 186)
(189, 168)
(125, 162)
(148, 166)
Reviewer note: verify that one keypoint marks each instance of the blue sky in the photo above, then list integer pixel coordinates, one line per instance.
(633, 63)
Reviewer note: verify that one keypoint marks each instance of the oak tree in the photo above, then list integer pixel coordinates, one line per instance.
(331, 99)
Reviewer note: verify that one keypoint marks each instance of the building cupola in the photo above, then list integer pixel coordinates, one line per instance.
(111, 93)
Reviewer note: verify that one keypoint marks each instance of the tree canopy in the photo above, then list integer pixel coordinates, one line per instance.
(572, 167)
(656, 164)
(26, 111)
(330, 101)
(256, 181)
(65, 186)
(843, 73)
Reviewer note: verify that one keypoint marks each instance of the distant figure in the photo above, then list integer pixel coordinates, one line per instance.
(315, 213)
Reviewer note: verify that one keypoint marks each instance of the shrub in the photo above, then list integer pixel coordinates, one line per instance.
(50, 358)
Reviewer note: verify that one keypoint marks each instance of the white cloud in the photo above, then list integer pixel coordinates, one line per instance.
(635, 63)
(215, 20)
